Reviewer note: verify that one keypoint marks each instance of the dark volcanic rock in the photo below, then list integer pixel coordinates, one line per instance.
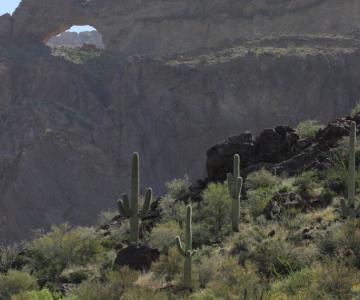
(279, 150)
(137, 257)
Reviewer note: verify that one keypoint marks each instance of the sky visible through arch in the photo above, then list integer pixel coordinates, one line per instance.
(8, 6)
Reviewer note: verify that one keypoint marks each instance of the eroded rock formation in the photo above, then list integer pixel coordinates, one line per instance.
(67, 131)
(163, 26)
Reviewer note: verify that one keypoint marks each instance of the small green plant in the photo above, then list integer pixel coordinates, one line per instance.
(15, 282)
(130, 209)
(187, 251)
(235, 183)
(308, 129)
(33, 295)
(355, 110)
(351, 209)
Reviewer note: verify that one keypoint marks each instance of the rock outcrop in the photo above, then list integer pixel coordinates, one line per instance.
(278, 149)
(164, 27)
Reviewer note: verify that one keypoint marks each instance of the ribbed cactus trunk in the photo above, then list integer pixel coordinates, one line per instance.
(188, 244)
(187, 252)
(134, 203)
(352, 170)
(130, 209)
(235, 183)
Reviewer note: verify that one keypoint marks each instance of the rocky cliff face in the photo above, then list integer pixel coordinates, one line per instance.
(163, 27)
(67, 131)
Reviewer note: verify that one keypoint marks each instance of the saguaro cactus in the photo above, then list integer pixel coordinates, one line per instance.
(235, 183)
(187, 252)
(349, 209)
(130, 209)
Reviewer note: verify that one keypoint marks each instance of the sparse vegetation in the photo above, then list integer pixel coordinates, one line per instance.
(308, 128)
(307, 252)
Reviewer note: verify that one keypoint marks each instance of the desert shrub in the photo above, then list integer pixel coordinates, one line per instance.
(172, 210)
(355, 110)
(348, 240)
(294, 283)
(206, 264)
(211, 218)
(333, 280)
(277, 257)
(261, 179)
(308, 185)
(178, 188)
(262, 186)
(308, 128)
(112, 288)
(163, 235)
(145, 294)
(259, 199)
(106, 217)
(33, 295)
(232, 280)
(8, 255)
(15, 282)
(169, 266)
(49, 255)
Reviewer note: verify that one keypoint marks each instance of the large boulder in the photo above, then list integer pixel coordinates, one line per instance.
(137, 257)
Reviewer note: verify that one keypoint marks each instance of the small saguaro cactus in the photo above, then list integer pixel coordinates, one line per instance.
(187, 252)
(350, 209)
(130, 209)
(235, 183)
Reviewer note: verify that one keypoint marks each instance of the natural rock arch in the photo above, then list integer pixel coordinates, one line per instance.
(164, 27)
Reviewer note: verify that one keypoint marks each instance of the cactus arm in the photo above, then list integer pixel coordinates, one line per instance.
(179, 246)
(238, 186)
(147, 203)
(236, 166)
(123, 206)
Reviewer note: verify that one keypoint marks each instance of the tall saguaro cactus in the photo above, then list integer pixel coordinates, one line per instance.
(130, 209)
(349, 209)
(187, 251)
(235, 183)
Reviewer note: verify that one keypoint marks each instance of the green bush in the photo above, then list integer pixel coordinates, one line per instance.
(277, 257)
(212, 217)
(308, 128)
(169, 266)
(261, 179)
(178, 188)
(15, 282)
(355, 110)
(163, 235)
(112, 288)
(33, 295)
(258, 200)
(49, 255)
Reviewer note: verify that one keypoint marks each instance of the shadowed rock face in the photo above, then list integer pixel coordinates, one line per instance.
(164, 27)
(67, 131)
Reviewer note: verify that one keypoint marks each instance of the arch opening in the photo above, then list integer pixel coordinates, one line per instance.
(85, 36)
